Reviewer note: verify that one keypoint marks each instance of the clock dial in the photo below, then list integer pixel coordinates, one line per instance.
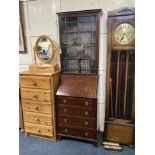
(124, 33)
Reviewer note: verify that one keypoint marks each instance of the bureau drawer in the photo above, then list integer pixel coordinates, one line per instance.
(76, 111)
(38, 118)
(77, 132)
(38, 129)
(34, 106)
(36, 94)
(85, 103)
(35, 82)
(77, 121)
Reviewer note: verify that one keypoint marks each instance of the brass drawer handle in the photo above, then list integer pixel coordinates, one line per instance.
(65, 101)
(86, 133)
(65, 120)
(86, 123)
(86, 103)
(86, 113)
(35, 96)
(65, 110)
(66, 130)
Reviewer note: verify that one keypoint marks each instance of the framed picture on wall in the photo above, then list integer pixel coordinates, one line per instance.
(22, 48)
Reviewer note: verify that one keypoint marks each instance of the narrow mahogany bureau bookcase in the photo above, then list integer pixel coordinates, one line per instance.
(38, 102)
(76, 99)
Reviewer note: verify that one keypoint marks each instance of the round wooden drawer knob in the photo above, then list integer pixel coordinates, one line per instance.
(35, 96)
(66, 130)
(37, 119)
(36, 108)
(38, 130)
(34, 84)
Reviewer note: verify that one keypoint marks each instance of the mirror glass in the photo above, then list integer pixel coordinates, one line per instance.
(44, 48)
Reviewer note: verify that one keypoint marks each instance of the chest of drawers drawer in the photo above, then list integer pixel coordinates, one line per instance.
(36, 94)
(70, 101)
(38, 118)
(77, 132)
(39, 129)
(77, 121)
(39, 82)
(36, 106)
(76, 111)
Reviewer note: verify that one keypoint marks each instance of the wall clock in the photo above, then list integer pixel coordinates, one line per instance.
(120, 80)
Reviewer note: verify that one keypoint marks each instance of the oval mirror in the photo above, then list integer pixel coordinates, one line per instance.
(44, 48)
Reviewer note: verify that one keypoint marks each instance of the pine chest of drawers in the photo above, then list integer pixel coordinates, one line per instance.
(76, 105)
(38, 102)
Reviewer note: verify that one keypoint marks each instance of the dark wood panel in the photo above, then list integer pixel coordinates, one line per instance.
(66, 110)
(122, 12)
(77, 132)
(81, 102)
(78, 86)
(79, 13)
(120, 133)
(78, 121)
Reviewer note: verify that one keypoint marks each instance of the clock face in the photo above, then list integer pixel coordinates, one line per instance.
(124, 33)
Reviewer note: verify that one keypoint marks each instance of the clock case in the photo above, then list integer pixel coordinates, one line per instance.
(120, 94)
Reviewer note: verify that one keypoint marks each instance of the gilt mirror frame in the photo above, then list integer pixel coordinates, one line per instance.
(53, 49)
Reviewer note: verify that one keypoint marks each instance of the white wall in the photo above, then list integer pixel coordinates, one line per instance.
(40, 18)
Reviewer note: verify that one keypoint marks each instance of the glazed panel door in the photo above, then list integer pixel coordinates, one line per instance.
(122, 85)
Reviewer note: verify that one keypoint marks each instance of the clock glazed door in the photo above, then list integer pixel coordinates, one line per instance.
(120, 90)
